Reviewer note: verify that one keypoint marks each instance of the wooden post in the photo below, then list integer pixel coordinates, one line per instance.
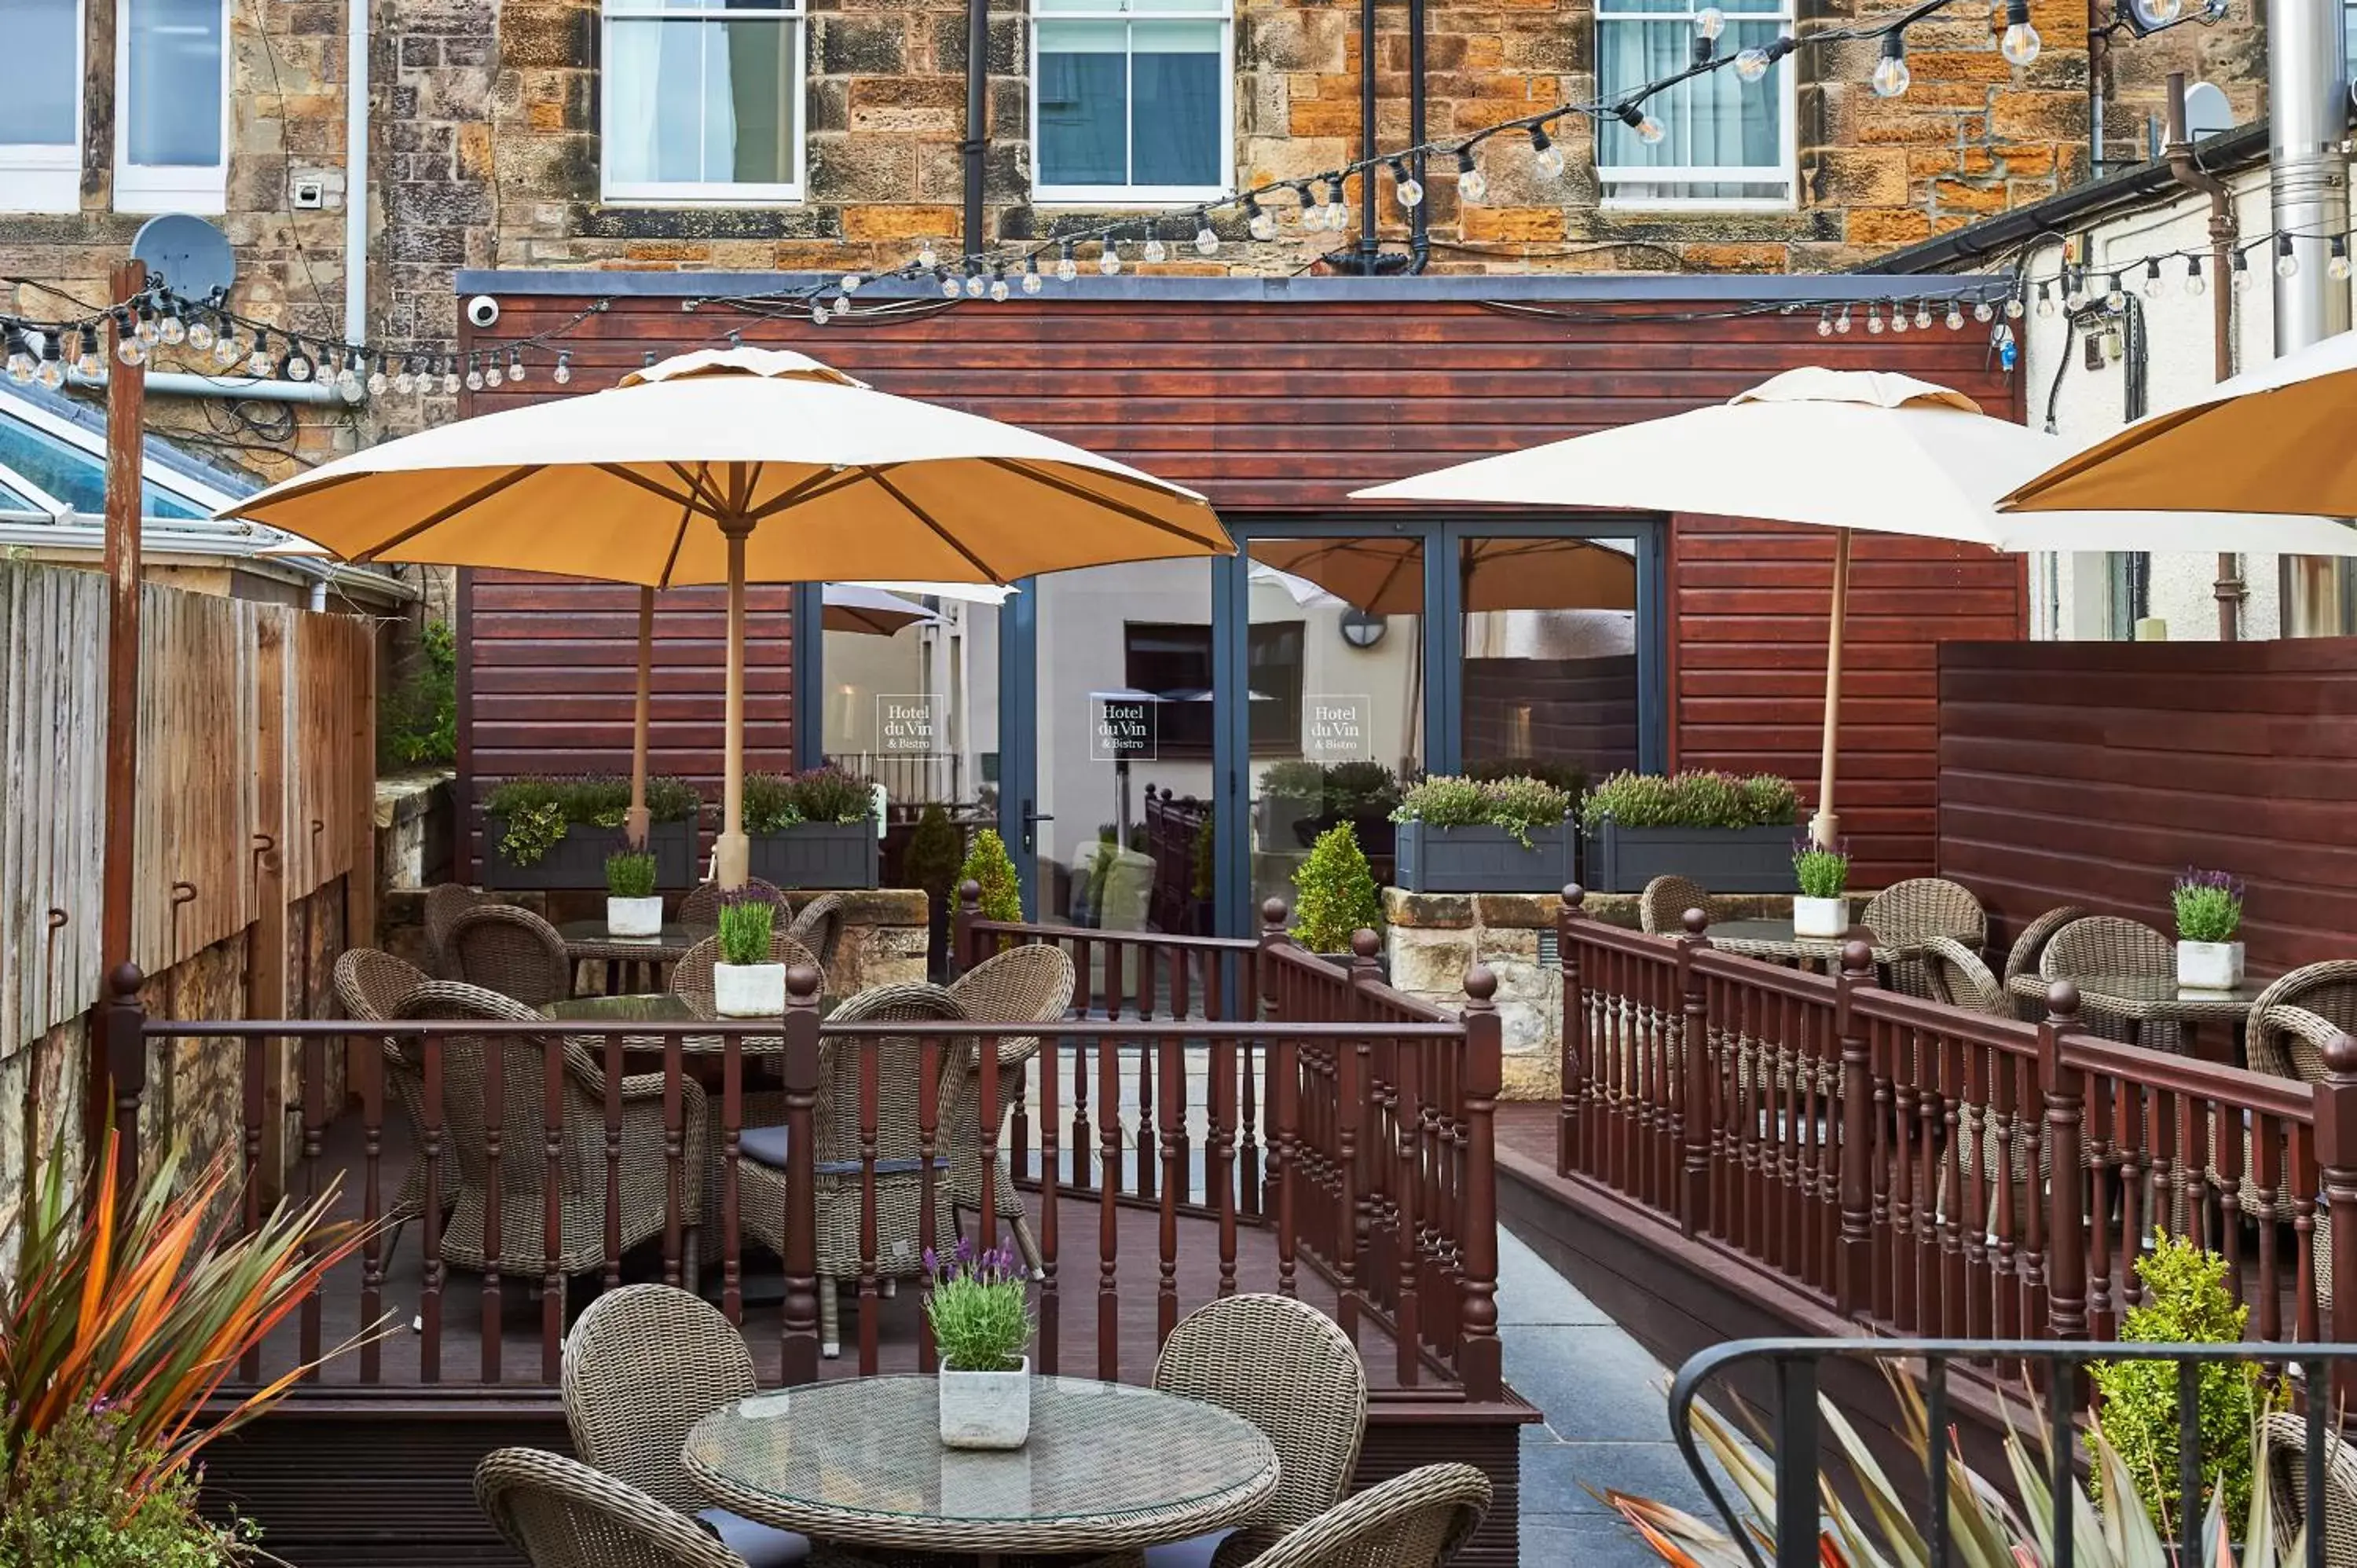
(125, 1045)
(1479, 1367)
(2066, 1268)
(798, 1343)
(1574, 1067)
(731, 851)
(1854, 1260)
(265, 992)
(963, 953)
(1824, 828)
(126, 388)
(1692, 1124)
(2336, 1153)
(635, 821)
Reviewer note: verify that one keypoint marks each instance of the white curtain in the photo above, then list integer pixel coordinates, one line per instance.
(671, 117)
(1713, 122)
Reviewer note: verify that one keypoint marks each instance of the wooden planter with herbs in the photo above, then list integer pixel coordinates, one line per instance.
(1728, 833)
(814, 830)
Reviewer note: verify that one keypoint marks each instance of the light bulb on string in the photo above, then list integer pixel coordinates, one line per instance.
(1874, 319)
(451, 376)
(2152, 280)
(200, 334)
(349, 389)
(1067, 269)
(2074, 291)
(1313, 204)
(976, 285)
(297, 365)
(1825, 323)
(2013, 308)
(1649, 130)
(1258, 220)
(1337, 206)
(52, 372)
(2115, 295)
(1710, 22)
(378, 378)
(1406, 187)
(170, 329)
(130, 350)
(1983, 311)
(1207, 239)
(258, 363)
(1955, 317)
(1152, 253)
(2240, 273)
(1891, 77)
(2194, 286)
(1841, 322)
(2287, 259)
(927, 258)
(950, 289)
(1031, 273)
(227, 349)
(1898, 318)
(1922, 316)
(87, 362)
(2045, 299)
(998, 290)
(515, 364)
(1545, 157)
(406, 381)
(1109, 257)
(147, 331)
(21, 364)
(1472, 185)
(563, 375)
(2021, 43)
(474, 374)
(1752, 64)
(2336, 267)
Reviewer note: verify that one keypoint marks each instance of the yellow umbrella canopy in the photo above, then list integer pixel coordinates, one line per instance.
(1384, 574)
(724, 466)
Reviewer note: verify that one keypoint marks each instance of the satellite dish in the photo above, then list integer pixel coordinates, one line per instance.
(192, 256)
(2207, 112)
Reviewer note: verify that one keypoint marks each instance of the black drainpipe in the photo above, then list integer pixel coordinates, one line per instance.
(1368, 244)
(1419, 235)
(976, 144)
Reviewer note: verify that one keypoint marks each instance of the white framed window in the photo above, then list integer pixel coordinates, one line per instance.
(40, 113)
(171, 89)
(1133, 100)
(1726, 143)
(703, 100)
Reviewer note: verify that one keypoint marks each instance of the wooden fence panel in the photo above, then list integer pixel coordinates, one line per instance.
(328, 747)
(196, 796)
(52, 736)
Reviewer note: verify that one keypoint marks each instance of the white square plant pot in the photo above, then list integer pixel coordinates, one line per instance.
(2208, 966)
(634, 917)
(986, 1409)
(1820, 917)
(749, 990)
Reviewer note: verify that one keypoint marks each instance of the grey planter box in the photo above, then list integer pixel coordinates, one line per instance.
(817, 854)
(1724, 860)
(578, 859)
(1481, 859)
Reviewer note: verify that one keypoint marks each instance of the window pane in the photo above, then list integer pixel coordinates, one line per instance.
(174, 115)
(1176, 120)
(695, 102)
(1083, 101)
(75, 476)
(1550, 670)
(1713, 122)
(36, 38)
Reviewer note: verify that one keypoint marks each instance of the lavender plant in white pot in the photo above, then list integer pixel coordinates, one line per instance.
(1820, 908)
(2208, 916)
(746, 982)
(633, 907)
(981, 1320)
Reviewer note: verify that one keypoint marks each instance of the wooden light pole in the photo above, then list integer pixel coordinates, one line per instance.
(126, 395)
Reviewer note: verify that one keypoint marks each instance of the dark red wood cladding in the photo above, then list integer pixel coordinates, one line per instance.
(2089, 773)
(1288, 406)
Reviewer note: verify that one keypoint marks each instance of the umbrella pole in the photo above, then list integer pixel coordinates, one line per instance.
(634, 822)
(1824, 828)
(732, 852)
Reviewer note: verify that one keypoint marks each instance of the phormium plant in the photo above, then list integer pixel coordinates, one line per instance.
(979, 1309)
(2209, 905)
(745, 926)
(1335, 893)
(1820, 872)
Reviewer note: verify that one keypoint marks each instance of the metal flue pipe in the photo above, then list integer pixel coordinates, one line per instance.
(2308, 188)
(2189, 174)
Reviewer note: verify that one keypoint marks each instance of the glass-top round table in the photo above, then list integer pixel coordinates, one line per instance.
(1108, 1467)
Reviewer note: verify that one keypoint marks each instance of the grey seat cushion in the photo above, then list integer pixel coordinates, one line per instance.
(767, 1145)
(758, 1544)
(1196, 1552)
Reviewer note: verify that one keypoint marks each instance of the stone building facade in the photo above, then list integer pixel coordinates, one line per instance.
(486, 151)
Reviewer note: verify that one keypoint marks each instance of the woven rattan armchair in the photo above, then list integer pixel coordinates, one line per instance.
(645, 1364)
(514, 951)
(373, 986)
(899, 1154)
(819, 926)
(2096, 945)
(2290, 1025)
(2288, 1488)
(1662, 907)
(467, 1063)
(1960, 979)
(1925, 906)
(1420, 1519)
(2029, 948)
(1028, 985)
(1287, 1368)
(702, 905)
(560, 1513)
(444, 902)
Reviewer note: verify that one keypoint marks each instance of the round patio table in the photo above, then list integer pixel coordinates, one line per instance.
(1109, 1468)
(1775, 939)
(756, 1036)
(2138, 1000)
(589, 941)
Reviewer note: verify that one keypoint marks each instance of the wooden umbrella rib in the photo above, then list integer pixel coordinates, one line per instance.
(941, 534)
(697, 485)
(444, 514)
(687, 516)
(824, 483)
(1014, 466)
(618, 471)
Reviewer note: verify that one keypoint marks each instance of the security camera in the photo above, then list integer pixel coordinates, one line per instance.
(482, 311)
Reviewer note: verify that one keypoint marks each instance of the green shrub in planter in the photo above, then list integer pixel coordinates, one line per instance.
(1732, 834)
(1334, 893)
(1465, 835)
(814, 830)
(745, 928)
(556, 832)
(988, 863)
(629, 875)
(1568, 776)
(63, 1505)
(1820, 873)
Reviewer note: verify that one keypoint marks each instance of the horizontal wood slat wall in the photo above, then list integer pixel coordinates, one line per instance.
(2089, 773)
(1272, 408)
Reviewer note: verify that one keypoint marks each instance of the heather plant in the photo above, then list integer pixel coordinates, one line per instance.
(1698, 799)
(1360, 789)
(1334, 893)
(988, 865)
(769, 804)
(1444, 800)
(2209, 905)
(539, 812)
(1522, 806)
(744, 927)
(977, 1306)
(1293, 780)
(830, 794)
(63, 1505)
(630, 875)
(1517, 805)
(1820, 872)
(1568, 776)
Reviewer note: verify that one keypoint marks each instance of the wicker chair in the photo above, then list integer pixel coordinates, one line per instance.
(444, 902)
(2291, 1023)
(467, 1063)
(1420, 1519)
(497, 947)
(2287, 1436)
(702, 905)
(1287, 1368)
(643, 1365)
(2028, 947)
(899, 1168)
(373, 986)
(1662, 907)
(1925, 906)
(819, 928)
(1026, 984)
(2106, 944)
(560, 1513)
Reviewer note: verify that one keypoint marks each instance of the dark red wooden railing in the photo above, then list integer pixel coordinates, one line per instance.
(1902, 1160)
(1229, 1114)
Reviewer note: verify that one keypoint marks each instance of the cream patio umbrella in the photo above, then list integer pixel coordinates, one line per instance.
(1845, 450)
(729, 466)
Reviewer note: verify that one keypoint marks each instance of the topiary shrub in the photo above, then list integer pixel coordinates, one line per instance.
(935, 850)
(2189, 1305)
(988, 863)
(1334, 893)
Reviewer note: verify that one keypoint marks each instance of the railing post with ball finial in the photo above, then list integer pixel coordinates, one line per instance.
(1479, 1367)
